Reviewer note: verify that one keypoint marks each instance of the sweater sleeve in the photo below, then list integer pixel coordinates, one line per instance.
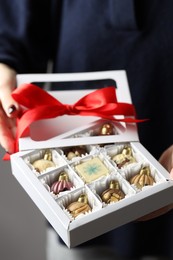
(25, 34)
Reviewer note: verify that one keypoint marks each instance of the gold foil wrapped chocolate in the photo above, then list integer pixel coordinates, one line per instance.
(63, 184)
(143, 178)
(106, 129)
(80, 206)
(44, 163)
(124, 158)
(113, 193)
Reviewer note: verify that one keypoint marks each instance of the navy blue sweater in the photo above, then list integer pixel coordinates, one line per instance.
(96, 35)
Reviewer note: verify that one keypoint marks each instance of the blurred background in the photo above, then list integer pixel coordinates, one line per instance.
(22, 226)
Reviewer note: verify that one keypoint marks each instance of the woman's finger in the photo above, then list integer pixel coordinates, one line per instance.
(7, 85)
(166, 159)
(7, 132)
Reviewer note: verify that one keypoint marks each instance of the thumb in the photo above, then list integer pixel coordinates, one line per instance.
(10, 106)
(7, 85)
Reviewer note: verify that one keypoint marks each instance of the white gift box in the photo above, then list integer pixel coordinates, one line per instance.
(62, 133)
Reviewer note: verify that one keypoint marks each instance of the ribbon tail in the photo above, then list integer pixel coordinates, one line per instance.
(6, 157)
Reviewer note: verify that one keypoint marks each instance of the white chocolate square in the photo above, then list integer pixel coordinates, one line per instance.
(92, 169)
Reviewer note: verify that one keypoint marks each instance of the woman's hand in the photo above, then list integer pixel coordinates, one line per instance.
(166, 159)
(9, 109)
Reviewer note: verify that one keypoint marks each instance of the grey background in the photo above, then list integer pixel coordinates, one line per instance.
(22, 226)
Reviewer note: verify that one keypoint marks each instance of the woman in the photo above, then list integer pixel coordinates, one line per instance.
(94, 35)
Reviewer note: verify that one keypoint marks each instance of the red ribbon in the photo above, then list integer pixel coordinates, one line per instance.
(39, 105)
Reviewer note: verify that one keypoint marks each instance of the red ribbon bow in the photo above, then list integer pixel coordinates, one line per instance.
(41, 105)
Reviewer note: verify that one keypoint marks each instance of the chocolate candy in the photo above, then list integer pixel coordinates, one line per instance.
(143, 178)
(91, 169)
(76, 151)
(62, 184)
(113, 193)
(107, 129)
(44, 163)
(80, 206)
(124, 158)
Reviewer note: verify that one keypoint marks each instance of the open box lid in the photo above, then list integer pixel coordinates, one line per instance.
(66, 130)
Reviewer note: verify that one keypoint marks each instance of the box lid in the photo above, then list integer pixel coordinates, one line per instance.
(70, 130)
